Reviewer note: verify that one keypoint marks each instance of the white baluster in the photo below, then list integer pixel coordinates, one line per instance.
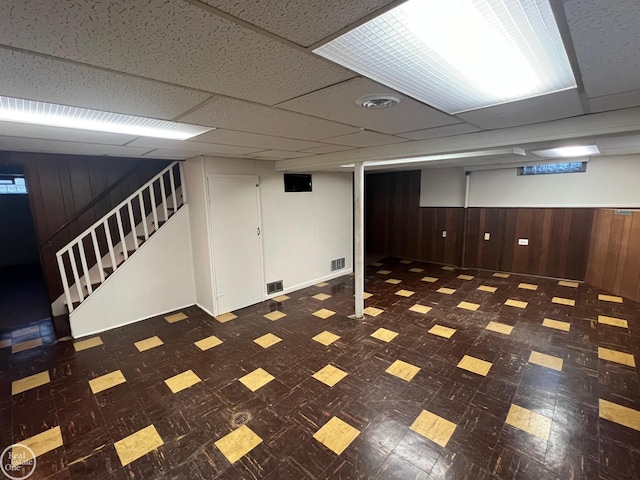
(154, 210)
(144, 217)
(65, 282)
(85, 268)
(132, 221)
(74, 269)
(163, 196)
(172, 182)
(96, 249)
(123, 244)
(107, 230)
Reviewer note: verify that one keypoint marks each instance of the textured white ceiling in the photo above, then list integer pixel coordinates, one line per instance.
(615, 102)
(167, 40)
(192, 147)
(232, 137)
(24, 130)
(365, 139)
(447, 131)
(329, 149)
(338, 103)
(278, 154)
(71, 148)
(302, 21)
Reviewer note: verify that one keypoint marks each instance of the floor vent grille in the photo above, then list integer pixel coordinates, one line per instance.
(274, 287)
(337, 264)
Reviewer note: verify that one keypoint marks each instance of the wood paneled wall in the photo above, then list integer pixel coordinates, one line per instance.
(614, 258)
(62, 185)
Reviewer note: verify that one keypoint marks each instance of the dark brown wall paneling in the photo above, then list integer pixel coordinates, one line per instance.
(614, 256)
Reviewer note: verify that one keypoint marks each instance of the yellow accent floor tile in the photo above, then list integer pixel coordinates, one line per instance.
(41, 443)
(336, 435)
(182, 381)
(267, 340)
(366, 295)
(256, 379)
(28, 345)
(138, 445)
(558, 325)
(564, 283)
(501, 275)
(326, 338)
(469, 306)
(372, 311)
(403, 370)
(176, 317)
(434, 428)
(207, 343)
(420, 308)
(609, 298)
(393, 281)
(406, 262)
(384, 334)
(446, 291)
(87, 344)
(226, 317)
(416, 270)
(275, 315)
(528, 286)
(376, 264)
(564, 301)
(384, 272)
(486, 288)
(107, 381)
(614, 322)
(448, 268)
(618, 357)
(149, 343)
(475, 365)
(545, 360)
(329, 375)
(281, 298)
(405, 293)
(530, 422)
(516, 303)
(30, 382)
(619, 414)
(323, 313)
(321, 296)
(465, 277)
(429, 279)
(441, 331)
(500, 328)
(5, 343)
(25, 331)
(238, 443)
(321, 284)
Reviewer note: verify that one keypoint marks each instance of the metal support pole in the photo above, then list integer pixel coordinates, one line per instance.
(359, 238)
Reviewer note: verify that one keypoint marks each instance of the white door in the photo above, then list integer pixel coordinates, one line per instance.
(236, 242)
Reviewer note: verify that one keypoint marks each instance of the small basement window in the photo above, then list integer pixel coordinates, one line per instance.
(12, 185)
(550, 168)
(297, 182)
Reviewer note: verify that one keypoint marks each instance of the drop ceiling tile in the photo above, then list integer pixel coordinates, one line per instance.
(70, 148)
(233, 114)
(278, 154)
(191, 147)
(168, 155)
(446, 131)
(264, 142)
(337, 102)
(167, 40)
(605, 38)
(303, 21)
(365, 139)
(524, 112)
(615, 101)
(328, 149)
(11, 129)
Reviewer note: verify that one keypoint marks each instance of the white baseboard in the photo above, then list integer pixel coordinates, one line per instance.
(300, 286)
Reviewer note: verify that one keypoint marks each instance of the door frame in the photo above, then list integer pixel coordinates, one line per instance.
(263, 288)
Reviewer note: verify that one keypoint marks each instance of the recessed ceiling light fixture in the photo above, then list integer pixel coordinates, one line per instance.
(50, 114)
(444, 156)
(378, 101)
(567, 152)
(459, 55)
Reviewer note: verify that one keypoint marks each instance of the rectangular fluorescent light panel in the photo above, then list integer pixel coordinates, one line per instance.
(459, 55)
(41, 113)
(568, 152)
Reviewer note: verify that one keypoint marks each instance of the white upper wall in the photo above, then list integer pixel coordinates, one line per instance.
(609, 182)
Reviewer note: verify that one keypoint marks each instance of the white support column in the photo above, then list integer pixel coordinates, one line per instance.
(358, 205)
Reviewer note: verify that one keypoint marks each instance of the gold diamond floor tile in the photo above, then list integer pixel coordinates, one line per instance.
(30, 382)
(323, 313)
(433, 427)
(182, 381)
(405, 293)
(256, 379)
(544, 360)
(613, 321)
(564, 283)
(28, 345)
(448, 268)
(326, 338)
(138, 445)
(321, 284)
(40, 444)
(516, 303)
(275, 315)
(487, 288)
(475, 365)
(321, 296)
(564, 301)
(403, 370)
(376, 264)
(609, 298)
(469, 306)
(406, 262)
(420, 308)
(384, 334)
(281, 298)
(329, 375)
(226, 317)
(393, 281)
(615, 356)
(556, 324)
(619, 414)
(148, 344)
(5, 343)
(366, 295)
(384, 272)
(466, 277)
(336, 435)
(442, 331)
(500, 328)
(446, 291)
(501, 275)
(267, 340)
(429, 279)
(528, 286)
(176, 317)
(207, 343)
(238, 443)
(107, 381)
(372, 311)
(87, 344)
(529, 421)
(416, 270)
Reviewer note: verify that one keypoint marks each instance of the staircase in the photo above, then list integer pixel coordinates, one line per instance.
(97, 253)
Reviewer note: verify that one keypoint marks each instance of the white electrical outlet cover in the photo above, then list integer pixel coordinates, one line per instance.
(523, 241)
(487, 236)
(444, 234)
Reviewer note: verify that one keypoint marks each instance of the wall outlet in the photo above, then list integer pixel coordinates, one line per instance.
(487, 236)
(523, 241)
(444, 234)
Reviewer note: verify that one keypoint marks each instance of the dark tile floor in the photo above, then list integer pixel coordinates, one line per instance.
(457, 384)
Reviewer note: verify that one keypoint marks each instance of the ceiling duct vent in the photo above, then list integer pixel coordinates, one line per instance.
(274, 287)
(337, 264)
(378, 102)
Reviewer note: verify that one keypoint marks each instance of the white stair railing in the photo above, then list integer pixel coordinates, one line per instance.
(97, 242)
